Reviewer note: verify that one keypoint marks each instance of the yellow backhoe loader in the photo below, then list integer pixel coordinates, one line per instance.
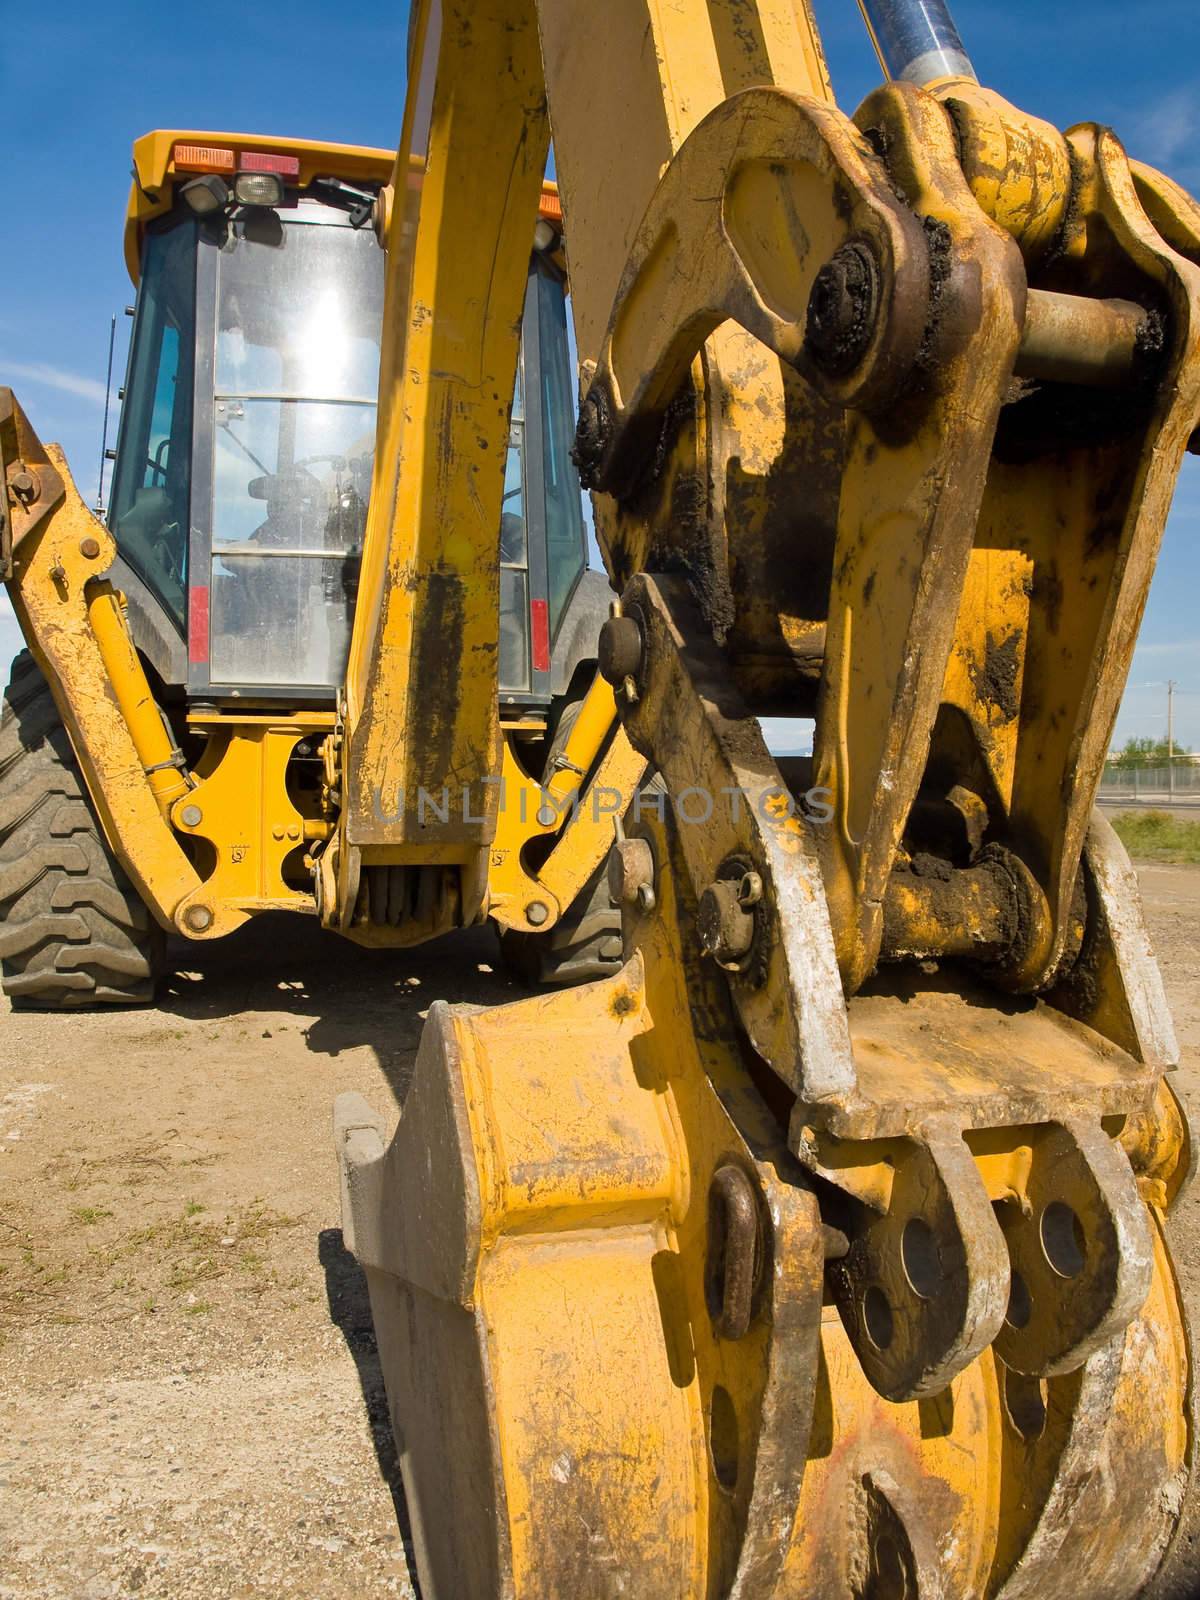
(820, 1251)
(172, 752)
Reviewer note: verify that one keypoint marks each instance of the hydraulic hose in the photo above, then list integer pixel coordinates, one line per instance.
(916, 40)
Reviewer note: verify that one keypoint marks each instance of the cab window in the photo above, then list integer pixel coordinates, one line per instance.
(149, 510)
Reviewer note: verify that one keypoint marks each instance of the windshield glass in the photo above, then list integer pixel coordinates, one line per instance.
(566, 554)
(148, 511)
(299, 310)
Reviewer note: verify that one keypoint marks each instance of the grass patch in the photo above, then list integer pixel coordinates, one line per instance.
(168, 1266)
(1158, 836)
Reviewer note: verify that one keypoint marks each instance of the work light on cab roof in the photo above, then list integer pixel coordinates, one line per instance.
(258, 179)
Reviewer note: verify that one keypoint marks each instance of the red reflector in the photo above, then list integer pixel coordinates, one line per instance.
(263, 161)
(198, 627)
(202, 158)
(539, 619)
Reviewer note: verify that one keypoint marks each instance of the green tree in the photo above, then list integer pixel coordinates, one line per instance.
(1144, 751)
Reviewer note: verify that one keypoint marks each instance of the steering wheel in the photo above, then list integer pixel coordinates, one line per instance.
(156, 463)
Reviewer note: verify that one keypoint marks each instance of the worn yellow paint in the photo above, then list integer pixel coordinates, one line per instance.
(52, 591)
(421, 689)
(161, 762)
(593, 1395)
(1018, 167)
(577, 804)
(243, 812)
(986, 668)
(593, 1174)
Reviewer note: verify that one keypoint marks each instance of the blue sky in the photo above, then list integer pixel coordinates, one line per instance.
(338, 72)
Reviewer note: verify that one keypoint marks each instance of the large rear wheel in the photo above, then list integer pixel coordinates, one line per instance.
(73, 931)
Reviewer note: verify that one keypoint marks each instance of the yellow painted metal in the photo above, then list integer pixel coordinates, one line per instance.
(635, 79)
(239, 808)
(1071, 541)
(615, 785)
(578, 812)
(1171, 209)
(1017, 166)
(593, 724)
(992, 1450)
(550, 1344)
(75, 625)
(586, 1185)
(421, 689)
(994, 617)
(161, 760)
(522, 816)
(905, 520)
(60, 551)
(250, 825)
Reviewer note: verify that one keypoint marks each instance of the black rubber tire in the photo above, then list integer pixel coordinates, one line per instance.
(73, 930)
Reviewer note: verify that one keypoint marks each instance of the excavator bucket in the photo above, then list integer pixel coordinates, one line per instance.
(616, 1359)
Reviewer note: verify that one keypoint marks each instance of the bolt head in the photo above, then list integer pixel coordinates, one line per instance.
(630, 870)
(89, 548)
(24, 485)
(591, 436)
(191, 816)
(843, 308)
(198, 918)
(725, 927)
(537, 914)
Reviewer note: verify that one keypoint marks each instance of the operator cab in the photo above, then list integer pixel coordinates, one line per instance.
(246, 447)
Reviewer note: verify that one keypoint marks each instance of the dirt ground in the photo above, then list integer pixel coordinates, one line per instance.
(190, 1401)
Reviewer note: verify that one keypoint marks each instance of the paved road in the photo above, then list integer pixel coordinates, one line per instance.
(1183, 810)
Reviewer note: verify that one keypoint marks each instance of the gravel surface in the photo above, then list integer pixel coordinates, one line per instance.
(190, 1400)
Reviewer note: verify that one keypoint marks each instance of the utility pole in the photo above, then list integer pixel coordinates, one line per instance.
(1171, 738)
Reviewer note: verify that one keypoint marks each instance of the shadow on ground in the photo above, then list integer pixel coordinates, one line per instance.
(342, 996)
(350, 1310)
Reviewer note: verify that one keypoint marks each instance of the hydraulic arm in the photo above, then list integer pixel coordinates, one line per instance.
(822, 1251)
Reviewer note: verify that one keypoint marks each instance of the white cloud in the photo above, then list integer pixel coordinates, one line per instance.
(1166, 131)
(53, 378)
(1170, 647)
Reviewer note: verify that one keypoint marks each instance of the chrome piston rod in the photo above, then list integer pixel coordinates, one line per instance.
(916, 40)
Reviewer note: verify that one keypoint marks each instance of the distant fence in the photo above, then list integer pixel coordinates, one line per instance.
(1152, 782)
